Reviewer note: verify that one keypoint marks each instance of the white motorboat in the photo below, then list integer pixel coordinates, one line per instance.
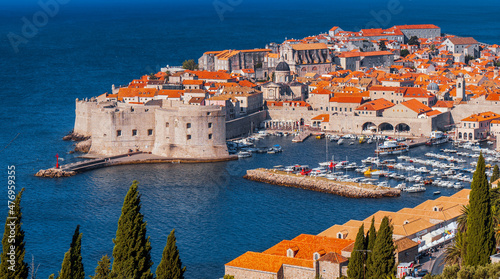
(416, 188)
(391, 147)
(244, 154)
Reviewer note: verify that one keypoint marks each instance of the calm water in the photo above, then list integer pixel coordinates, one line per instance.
(218, 215)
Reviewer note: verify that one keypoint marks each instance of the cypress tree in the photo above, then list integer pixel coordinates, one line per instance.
(480, 234)
(383, 261)
(170, 266)
(18, 268)
(131, 254)
(370, 243)
(103, 269)
(495, 175)
(356, 268)
(72, 266)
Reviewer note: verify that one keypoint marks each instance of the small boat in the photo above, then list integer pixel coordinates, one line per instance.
(416, 188)
(436, 192)
(391, 147)
(320, 136)
(341, 141)
(351, 143)
(362, 139)
(244, 154)
(369, 171)
(437, 137)
(401, 186)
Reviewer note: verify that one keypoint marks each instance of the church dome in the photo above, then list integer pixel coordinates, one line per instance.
(433, 87)
(282, 67)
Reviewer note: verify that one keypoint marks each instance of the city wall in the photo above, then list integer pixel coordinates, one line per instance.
(241, 127)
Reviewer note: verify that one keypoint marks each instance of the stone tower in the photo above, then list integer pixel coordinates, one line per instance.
(460, 87)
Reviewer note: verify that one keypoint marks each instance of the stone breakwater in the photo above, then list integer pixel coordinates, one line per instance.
(320, 184)
(54, 173)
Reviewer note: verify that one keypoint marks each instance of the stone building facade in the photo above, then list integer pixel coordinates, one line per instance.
(307, 58)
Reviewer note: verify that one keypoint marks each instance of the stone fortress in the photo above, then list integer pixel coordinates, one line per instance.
(163, 127)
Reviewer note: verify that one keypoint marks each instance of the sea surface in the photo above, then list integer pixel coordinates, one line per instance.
(80, 49)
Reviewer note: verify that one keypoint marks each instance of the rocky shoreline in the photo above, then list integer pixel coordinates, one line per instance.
(319, 184)
(75, 137)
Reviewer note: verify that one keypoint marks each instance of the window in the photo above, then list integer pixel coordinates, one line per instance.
(134, 132)
(167, 124)
(150, 132)
(188, 137)
(209, 136)
(118, 133)
(188, 125)
(209, 113)
(210, 125)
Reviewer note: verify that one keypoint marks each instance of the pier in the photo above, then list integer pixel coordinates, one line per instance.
(302, 136)
(416, 142)
(123, 159)
(321, 184)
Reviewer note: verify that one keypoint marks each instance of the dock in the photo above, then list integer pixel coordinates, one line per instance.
(416, 142)
(123, 159)
(302, 136)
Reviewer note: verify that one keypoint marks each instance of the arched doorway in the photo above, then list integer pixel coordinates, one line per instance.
(385, 127)
(369, 126)
(402, 127)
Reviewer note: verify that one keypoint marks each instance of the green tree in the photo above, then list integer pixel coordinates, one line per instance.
(383, 261)
(370, 243)
(189, 65)
(131, 254)
(414, 41)
(455, 253)
(404, 53)
(356, 267)
(170, 266)
(480, 236)
(462, 218)
(72, 265)
(382, 46)
(495, 175)
(103, 269)
(468, 58)
(13, 268)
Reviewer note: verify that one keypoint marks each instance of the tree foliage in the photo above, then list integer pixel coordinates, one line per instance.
(414, 41)
(480, 236)
(356, 268)
(103, 269)
(131, 254)
(382, 46)
(170, 266)
(72, 265)
(189, 65)
(383, 261)
(370, 243)
(13, 237)
(404, 53)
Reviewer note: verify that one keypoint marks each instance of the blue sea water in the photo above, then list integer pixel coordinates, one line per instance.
(85, 47)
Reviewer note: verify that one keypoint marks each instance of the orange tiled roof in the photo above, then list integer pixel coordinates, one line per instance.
(212, 75)
(376, 105)
(482, 117)
(246, 83)
(309, 46)
(322, 117)
(463, 40)
(192, 82)
(342, 99)
(267, 262)
(417, 26)
(443, 104)
(433, 112)
(364, 54)
(321, 91)
(416, 106)
(171, 93)
(292, 103)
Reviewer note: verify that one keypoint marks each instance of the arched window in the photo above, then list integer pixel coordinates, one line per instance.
(470, 136)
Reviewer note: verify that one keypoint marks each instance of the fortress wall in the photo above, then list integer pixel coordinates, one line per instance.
(83, 121)
(242, 126)
(190, 132)
(105, 138)
(293, 115)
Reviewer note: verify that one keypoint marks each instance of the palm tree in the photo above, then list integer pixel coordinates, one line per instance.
(454, 253)
(462, 219)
